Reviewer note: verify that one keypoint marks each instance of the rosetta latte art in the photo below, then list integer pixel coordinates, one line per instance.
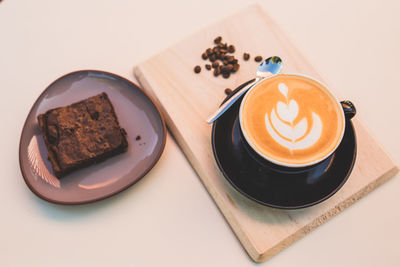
(282, 129)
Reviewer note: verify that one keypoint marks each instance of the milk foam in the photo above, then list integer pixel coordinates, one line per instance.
(282, 129)
(292, 120)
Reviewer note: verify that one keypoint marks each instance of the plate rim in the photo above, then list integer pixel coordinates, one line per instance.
(104, 196)
(226, 176)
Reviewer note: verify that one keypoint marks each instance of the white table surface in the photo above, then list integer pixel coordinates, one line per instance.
(168, 218)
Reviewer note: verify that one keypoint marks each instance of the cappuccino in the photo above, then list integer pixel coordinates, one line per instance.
(292, 120)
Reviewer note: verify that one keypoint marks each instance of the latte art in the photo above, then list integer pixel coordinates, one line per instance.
(285, 132)
(291, 120)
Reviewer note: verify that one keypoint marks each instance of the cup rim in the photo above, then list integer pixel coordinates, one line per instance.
(280, 163)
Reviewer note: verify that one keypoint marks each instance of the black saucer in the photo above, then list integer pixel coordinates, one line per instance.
(273, 185)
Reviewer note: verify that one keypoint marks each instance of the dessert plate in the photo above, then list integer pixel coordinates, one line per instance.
(137, 114)
(273, 185)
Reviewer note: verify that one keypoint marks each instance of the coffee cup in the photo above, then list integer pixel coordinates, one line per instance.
(293, 120)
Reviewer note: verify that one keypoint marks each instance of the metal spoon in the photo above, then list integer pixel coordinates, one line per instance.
(270, 66)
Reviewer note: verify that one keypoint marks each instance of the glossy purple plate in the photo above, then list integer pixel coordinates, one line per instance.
(137, 114)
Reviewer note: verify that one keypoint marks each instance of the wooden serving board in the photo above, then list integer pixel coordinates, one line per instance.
(187, 99)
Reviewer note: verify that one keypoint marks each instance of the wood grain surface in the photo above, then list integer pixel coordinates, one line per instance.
(187, 99)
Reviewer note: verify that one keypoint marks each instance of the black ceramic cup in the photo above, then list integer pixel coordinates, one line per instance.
(274, 185)
(313, 129)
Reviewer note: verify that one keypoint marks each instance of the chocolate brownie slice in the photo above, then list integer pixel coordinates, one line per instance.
(81, 134)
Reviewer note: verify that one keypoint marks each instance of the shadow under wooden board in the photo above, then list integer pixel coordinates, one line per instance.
(187, 99)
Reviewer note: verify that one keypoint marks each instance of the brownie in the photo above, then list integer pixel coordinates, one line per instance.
(81, 134)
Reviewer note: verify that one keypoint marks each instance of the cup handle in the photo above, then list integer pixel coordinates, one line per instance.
(349, 109)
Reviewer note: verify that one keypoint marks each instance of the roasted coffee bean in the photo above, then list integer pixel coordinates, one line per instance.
(222, 59)
(212, 57)
(226, 75)
(258, 58)
(228, 91)
(235, 68)
(197, 69)
(218, 40)
(224, 69)
(231, 58)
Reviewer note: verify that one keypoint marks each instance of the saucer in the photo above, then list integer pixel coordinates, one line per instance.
(137, 114)
(272, 185)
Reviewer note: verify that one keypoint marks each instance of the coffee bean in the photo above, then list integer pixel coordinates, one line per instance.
(224, 69)
(258, 58)
(222, 58)
(235, 68)
(218, 40)
(212, 58)
(228, 91)
(220, 45)
(226, 75)
(197, 69)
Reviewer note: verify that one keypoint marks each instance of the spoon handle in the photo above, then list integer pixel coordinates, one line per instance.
(229, 103)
